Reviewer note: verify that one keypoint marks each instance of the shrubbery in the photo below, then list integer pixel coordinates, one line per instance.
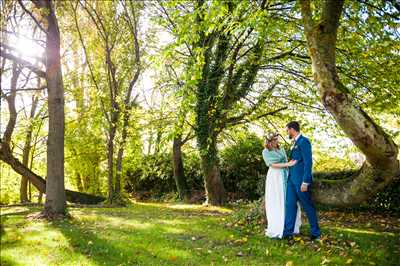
(154, 174)
(243, 170)
(388, 199)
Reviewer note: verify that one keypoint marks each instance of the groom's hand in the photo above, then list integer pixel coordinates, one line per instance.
(304, 187)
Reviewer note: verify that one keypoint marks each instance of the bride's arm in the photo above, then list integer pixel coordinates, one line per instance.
(283, 165)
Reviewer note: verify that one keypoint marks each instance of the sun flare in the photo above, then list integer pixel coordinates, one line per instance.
(27, 47)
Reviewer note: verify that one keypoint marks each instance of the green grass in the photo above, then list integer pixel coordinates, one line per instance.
(178, 234)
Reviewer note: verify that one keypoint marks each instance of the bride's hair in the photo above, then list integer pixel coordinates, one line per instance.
(269, 140)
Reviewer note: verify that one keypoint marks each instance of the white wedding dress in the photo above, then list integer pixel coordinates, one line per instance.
(275, 204)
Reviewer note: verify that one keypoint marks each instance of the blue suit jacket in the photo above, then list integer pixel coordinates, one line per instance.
(302, 153)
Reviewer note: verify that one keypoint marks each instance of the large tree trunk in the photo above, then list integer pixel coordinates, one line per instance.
(215, 190)
(381, 166)
(179, 171)
(207, 144)
(55, 191)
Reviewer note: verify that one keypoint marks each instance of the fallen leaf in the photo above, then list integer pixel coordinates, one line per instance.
(288, 252)
(325, 261)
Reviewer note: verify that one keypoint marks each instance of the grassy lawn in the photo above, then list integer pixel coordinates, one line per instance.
(178, 234)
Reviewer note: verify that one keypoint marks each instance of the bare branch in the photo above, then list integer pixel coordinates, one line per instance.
(23, 63)
(32, 16)
(11, 106)
(241, 118)
(8, 47)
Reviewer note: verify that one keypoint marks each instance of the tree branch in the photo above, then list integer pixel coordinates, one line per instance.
(32, 16)
(241, 118)
(23, 63)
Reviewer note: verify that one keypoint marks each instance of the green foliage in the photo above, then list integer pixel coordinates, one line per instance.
(327, 163)
(368, 36)
(154, 174)
(242, 167)
(10, 185)
(387, 199)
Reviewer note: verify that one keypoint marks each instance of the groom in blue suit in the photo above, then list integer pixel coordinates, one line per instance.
(299, 183)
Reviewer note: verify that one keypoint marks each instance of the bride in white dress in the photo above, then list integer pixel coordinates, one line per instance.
(275, 187)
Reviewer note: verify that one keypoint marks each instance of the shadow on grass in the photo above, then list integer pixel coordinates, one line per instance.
(154, 245)
(156, 210)
(17, 213)
(95, 248)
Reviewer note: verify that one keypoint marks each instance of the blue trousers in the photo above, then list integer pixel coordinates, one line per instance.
(293, 195)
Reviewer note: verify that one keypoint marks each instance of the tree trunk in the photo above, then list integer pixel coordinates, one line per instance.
(179, 171)
(23, 190)
(78, 96)
(206, 132)
(215, 191)
(381, 166)
(55, 191)
(207, 144)
(120, 153)
(27, 149)
(78, 182)
(110, 162)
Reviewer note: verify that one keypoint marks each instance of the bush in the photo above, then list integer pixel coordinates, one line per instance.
(4, 198)
(387, 199)
(243, 170)
(154, 174)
